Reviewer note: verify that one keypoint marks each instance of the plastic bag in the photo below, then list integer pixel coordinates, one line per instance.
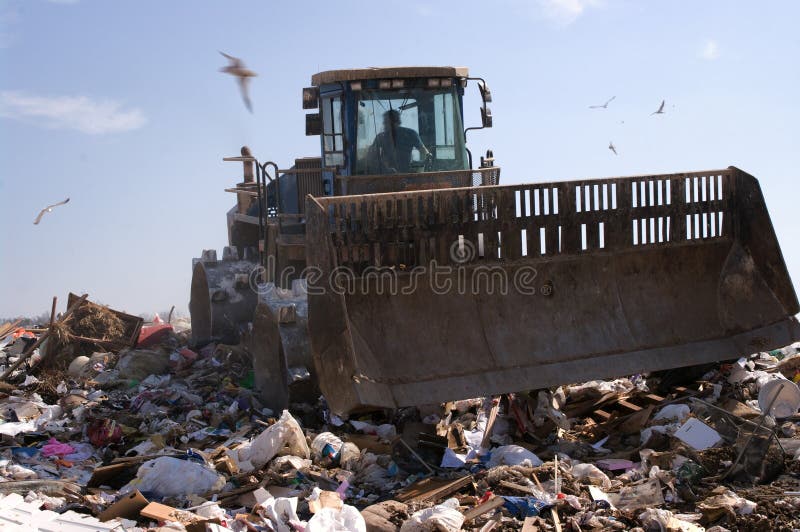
(522, 507)
(172, 477)
(348, 519)
(281, 512)
(593, 473)
(513, 455)
(53, 447)
(286, 432)
(350, 457)
(443, 517)
(385, 431)
(658, 519)
(678, 412)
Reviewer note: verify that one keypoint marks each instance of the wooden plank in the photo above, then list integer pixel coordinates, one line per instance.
(556, 520)
(27, 354)
(624, 403)
(530, 525)
(492, 504)
(652, 397)
(8, 328)
(487, 434)
(602, 414)
(432, 489)
(517, 487)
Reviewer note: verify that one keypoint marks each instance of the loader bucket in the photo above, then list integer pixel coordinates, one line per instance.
(426, 296)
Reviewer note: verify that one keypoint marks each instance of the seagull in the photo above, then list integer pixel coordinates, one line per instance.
(660, 109)
(612, 148)
(604, 106)
(243, 75)
(47, 209)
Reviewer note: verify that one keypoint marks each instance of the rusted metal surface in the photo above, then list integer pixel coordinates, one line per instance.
(280, 346)
(357, 74)
(221, 296)
(375, 184)
(602, 278)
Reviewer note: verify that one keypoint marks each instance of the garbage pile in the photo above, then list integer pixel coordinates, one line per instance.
(109, 423)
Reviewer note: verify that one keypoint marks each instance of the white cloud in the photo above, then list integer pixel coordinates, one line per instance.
(70, 112)
(565, 11)
(710, 50)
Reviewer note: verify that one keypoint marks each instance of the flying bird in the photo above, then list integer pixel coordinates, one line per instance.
(47, 209)
(612, 148)
(237, 68)
(604, 106)
(660, 110)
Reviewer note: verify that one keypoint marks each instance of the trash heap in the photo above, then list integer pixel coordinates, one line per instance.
(108, 423)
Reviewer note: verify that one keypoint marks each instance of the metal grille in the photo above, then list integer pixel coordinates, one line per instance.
(308, 182)
(533, 220)
(376, 184)
(488, 176)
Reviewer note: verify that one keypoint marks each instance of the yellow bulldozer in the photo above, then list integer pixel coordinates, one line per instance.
(394, 269)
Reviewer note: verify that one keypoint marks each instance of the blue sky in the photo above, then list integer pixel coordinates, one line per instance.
(119, 105)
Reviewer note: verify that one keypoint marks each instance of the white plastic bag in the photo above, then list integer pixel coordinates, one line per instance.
(443, 517)
(385, 431)
(281, 512)
(677, 412)
(658, 519)
(325, 446)
(172, 477)
(348, 519)
(513, 455)
(286, 432)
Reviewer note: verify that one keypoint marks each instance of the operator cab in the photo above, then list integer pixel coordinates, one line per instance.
(399, 121)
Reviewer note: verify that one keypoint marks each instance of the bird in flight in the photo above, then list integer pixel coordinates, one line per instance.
(660, 110)
(47, 209)
(604, 106)
(237, 68)
(612, 148)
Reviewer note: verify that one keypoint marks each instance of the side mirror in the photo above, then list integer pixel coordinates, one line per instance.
(313, 124)
(311, 98)
(486, 116)
(486, 94)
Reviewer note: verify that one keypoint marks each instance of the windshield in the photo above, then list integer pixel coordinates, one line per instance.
(409, 130)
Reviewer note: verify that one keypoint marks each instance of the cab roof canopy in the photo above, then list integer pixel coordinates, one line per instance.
(356, 74)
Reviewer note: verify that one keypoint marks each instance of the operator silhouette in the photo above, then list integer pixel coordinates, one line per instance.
(391, 150)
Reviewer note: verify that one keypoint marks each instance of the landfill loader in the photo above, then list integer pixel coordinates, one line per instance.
(394, 270)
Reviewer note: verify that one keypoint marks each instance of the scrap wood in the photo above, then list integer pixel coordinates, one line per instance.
(102, 474)
(51, 345)
(627, 424)
(487, 433)
(586, 406)
(553, 511)
(53, 488)
(529, 525)
(415, 455)
(432, 489)
(8, 328)
(517, 487)
(29, 351)
(236, 491)
(488, 506)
